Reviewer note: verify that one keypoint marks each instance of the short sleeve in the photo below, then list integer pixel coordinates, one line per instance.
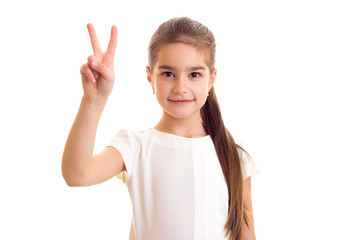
(128, 144)
(248, 165)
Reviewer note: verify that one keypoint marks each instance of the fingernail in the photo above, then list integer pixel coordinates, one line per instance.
(94, 63)
(96, 75)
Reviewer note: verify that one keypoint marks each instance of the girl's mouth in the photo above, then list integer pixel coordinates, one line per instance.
(180, 101)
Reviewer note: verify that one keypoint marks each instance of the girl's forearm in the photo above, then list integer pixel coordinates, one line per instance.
(80, 143)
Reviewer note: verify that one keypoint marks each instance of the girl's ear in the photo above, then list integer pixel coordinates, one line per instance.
(148, 74)
(212, 79)
(149, 77)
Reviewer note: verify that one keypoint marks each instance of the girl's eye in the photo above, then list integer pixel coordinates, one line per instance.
(195, 75)
(167, 74)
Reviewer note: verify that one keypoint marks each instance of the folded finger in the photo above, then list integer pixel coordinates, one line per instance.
(92, 61)
(87, 73)
(103, 70)
(96, 75)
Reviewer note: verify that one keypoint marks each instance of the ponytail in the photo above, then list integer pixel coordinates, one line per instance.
(227, 152)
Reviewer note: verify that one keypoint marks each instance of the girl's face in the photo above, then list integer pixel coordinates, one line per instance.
(181, 80)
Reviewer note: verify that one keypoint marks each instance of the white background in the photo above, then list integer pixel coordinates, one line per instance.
(288, 84)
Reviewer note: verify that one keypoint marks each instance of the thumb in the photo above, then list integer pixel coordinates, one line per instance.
(103, 70)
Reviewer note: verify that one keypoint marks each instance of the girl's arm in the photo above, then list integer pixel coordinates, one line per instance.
(249, 233)
(79, 167)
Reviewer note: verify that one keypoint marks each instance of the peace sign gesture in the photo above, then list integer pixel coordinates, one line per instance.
(98, 74)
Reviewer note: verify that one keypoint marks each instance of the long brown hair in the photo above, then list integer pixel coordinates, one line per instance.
(191, 32)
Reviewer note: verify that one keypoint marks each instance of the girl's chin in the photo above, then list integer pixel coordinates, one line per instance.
(182, 115)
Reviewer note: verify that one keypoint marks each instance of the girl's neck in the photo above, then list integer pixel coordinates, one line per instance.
(186, 127)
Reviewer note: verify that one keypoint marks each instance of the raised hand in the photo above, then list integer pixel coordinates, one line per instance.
(98, 74)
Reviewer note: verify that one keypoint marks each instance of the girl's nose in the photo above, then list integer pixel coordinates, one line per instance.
(181, 85)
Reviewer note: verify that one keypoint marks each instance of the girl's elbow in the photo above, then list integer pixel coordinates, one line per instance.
(73, 180)
(74, 183)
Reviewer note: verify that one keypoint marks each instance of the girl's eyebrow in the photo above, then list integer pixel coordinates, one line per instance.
(173, 68)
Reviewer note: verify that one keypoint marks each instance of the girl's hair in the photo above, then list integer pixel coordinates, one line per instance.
(188, 31)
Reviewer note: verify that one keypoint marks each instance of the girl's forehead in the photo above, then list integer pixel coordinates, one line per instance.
(179, 46)
(180, 55)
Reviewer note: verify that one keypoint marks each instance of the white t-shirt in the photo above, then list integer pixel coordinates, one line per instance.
(176, 185)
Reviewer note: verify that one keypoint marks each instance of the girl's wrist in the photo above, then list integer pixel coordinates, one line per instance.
(94, 104)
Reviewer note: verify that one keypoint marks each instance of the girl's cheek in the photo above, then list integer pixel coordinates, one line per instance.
(161, 87)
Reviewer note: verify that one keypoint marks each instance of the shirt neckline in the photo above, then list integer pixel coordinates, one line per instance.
(179, 137)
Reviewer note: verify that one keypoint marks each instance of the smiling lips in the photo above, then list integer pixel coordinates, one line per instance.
(180, 101)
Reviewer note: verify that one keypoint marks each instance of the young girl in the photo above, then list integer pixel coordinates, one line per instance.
(187, 178)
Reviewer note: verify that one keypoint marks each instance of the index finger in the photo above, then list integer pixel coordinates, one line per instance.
(94, 40)
(113, 41)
